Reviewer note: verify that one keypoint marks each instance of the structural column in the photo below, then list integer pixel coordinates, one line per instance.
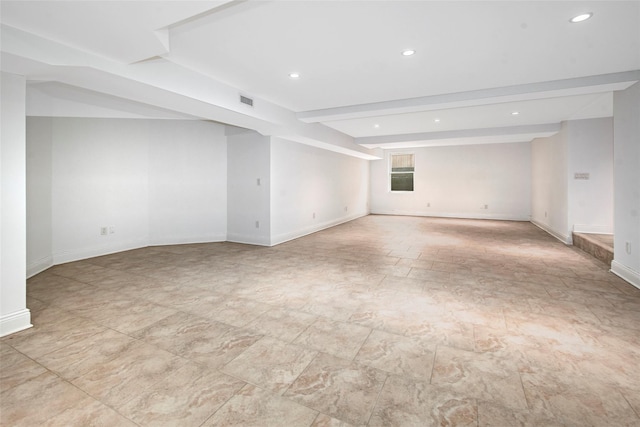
(14, 315)
(626, 200)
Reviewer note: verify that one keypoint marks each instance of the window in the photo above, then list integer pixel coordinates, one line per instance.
(402, 168)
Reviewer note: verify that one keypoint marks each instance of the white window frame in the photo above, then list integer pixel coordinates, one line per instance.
(413, 173)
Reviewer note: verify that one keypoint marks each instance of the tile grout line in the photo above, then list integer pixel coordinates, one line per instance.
(375, 404)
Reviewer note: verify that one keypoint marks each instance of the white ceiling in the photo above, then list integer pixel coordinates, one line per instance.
(349, 52)
(476, 62)
(482, 116)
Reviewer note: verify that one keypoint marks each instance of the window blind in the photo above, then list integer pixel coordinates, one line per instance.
(402, 162)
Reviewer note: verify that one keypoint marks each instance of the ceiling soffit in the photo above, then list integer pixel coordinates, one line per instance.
(473, 59)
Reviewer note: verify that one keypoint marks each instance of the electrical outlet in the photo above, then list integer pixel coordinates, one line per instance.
(581, 175)
(346, 208)
(314, 215)
(428, 205)
(258, 182)
(112, 229)
(104, 231)
(627, 247)
(257, 224)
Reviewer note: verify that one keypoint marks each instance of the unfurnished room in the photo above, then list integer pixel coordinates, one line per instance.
(319, 213)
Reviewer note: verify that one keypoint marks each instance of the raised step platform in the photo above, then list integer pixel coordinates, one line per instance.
(599, 246)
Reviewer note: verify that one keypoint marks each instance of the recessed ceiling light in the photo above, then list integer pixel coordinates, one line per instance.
(581, 17)
(436, 120)
(294, 75)
(376, 126)
(408, 52)
(515, 113)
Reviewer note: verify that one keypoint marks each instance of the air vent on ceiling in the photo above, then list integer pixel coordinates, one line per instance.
(247, 101)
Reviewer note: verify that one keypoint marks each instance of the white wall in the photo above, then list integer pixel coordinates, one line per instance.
(458, 181)
(248, 203)
(187, 182)
(14, 315)
(151, 181)
(626, 123)
(590, 150)
(39, 182)
(312, 189)
(549, 188)
(100, 178)
(560, 203)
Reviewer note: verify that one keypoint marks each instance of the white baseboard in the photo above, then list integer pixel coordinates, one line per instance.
(15, 322)
(567, 240)
(39, 265)
(185, 240)
(248, 240)
(466, 215)
(625, 273)
(291, 235)
(592, 229)
(84, 253)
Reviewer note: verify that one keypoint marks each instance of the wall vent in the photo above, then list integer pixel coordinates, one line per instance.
(247, 101)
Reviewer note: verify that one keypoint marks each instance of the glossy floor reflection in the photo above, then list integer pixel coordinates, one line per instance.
(390, 321)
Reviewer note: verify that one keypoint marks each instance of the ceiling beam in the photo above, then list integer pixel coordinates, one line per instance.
(502, 134)
(161, 83)
(523, 92)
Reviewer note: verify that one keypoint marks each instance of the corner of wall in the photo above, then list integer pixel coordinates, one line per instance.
(15, 322)
(14, 316)
(564, 238)
(39, 265)
(249, 239)
(626, 153)
(625, 273)
(285, 237)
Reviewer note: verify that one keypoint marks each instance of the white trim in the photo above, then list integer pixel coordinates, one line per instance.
(42, 264)
(567, 240)
(592, 229)
(184, 240)
(291, 235)
(15, 322)
(76, 255)
(39, 265)
(625, 273)
(466, 215)
(248, 239)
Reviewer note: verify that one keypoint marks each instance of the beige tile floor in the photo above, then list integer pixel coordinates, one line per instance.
(383, 321)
